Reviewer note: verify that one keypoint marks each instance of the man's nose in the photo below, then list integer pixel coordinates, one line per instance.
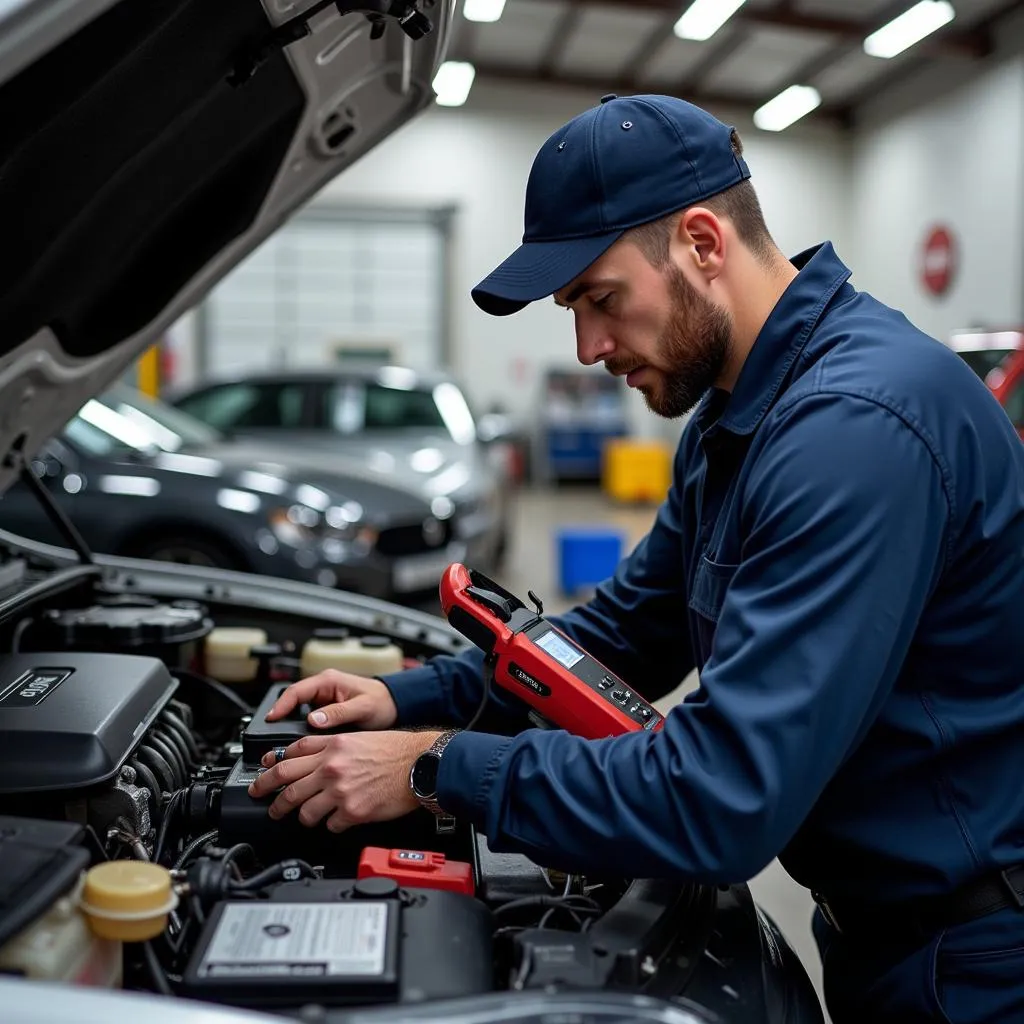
(592, 343)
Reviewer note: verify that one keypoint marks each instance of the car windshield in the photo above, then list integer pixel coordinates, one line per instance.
(357, 407)
(984, 361)
(123, 420)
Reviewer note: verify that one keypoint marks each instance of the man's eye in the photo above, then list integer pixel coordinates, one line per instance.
(605, 301)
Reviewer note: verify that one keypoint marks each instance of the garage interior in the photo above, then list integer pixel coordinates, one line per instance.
(895, 148)
(907, 156)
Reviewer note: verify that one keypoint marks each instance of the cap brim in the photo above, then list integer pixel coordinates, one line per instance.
(536, 270)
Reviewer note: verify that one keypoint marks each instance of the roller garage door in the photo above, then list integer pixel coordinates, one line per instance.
(334, 283)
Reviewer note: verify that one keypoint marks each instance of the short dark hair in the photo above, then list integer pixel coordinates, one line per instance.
(738, 203)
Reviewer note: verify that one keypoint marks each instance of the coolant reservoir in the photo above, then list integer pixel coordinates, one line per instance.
(61, 947)
(128, 900)
(226, 653)
(362, 656)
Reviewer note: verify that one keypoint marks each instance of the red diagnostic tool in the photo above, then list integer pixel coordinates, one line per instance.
(418, 869)
(540, 664)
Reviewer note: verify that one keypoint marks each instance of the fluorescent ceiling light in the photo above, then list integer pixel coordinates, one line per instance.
(452, 83)
(790, 105)
(909, 28)
(483, 10)
(704, 18)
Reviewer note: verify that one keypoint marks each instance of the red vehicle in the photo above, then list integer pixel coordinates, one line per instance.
(998, 358)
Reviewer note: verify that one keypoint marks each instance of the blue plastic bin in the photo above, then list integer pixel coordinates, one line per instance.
(587, 555)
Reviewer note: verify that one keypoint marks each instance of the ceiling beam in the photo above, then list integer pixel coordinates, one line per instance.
(906, 69)
(720, 50)
(648, 49)
(600, 85)
(972, 43)
(561, 36)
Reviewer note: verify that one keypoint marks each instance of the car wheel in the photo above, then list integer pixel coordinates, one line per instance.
(185, 550)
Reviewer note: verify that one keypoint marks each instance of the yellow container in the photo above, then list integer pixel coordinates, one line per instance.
(636, 471)
(127, 900)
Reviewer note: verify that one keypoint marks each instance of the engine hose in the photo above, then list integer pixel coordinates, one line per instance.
(156, 970)
(168, 728)
(159, 767)
(148, 779)
(175, 722)
(235, 852)
(159, 743)
(178, 750)
(196, 844)
(170, 811)
(287, 870)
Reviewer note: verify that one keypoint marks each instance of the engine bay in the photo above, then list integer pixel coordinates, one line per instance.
(132, 721)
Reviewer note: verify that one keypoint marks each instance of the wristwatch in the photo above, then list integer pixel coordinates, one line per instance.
(423, 775)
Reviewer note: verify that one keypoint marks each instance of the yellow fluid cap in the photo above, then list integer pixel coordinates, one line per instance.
(127, 900)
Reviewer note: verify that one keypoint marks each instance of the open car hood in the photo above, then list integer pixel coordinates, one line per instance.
(149, 146)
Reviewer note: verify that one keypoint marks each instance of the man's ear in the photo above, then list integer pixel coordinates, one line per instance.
(701, 237)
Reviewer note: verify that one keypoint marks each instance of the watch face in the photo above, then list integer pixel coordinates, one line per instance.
(424, 776)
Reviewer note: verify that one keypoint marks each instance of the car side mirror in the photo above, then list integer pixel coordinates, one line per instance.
(494, 426)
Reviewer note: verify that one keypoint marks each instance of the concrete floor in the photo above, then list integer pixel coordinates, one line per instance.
(532, 564)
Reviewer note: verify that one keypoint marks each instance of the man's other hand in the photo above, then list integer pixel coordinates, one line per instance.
(340, 698)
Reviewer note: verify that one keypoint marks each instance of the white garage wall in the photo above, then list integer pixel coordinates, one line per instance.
(478, 158)
(945, 149)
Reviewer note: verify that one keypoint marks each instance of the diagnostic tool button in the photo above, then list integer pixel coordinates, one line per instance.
(606, 681)
(621, 696)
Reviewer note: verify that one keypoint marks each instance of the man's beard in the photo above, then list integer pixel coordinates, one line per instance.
(694, 347)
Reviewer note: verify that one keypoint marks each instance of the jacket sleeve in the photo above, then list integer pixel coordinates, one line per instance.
(636, 624)
(845, 526)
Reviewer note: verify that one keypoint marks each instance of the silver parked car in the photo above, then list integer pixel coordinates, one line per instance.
(415, 426)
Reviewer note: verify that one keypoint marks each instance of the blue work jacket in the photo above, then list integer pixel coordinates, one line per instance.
(841, 556)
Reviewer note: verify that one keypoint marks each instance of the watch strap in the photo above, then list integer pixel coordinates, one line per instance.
(437, 749)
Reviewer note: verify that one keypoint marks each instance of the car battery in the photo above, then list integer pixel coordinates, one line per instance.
(334, 943)
(261, 737)
(243, 819)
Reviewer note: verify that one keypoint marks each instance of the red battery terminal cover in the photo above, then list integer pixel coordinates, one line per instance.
(420, 869)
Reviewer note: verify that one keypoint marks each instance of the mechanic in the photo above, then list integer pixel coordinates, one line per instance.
(841, 556)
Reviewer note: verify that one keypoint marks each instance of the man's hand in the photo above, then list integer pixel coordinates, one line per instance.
(341, 699)
(349, 779)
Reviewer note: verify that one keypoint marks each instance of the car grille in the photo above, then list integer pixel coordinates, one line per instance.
(409, 540)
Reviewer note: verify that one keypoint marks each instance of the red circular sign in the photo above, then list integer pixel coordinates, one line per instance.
(938, 260)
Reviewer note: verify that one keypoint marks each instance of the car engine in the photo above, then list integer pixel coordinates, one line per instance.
(132, 856)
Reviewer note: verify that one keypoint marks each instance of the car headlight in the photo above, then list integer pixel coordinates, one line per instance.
(338, 531)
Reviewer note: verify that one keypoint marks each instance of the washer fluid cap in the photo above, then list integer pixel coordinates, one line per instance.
(127, 900)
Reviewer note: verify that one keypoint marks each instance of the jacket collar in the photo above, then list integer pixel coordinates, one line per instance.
(779, 343)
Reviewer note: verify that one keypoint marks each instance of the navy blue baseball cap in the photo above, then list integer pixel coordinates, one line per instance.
(629, 161)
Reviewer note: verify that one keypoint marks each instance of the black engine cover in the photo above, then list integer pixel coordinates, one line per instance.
(69, 721)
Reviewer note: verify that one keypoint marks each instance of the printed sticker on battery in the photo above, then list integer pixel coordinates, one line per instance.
(298, 940)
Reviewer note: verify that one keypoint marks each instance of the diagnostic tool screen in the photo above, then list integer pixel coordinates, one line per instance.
(562, 652)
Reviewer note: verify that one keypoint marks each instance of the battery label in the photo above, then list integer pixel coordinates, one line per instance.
(298, 940)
